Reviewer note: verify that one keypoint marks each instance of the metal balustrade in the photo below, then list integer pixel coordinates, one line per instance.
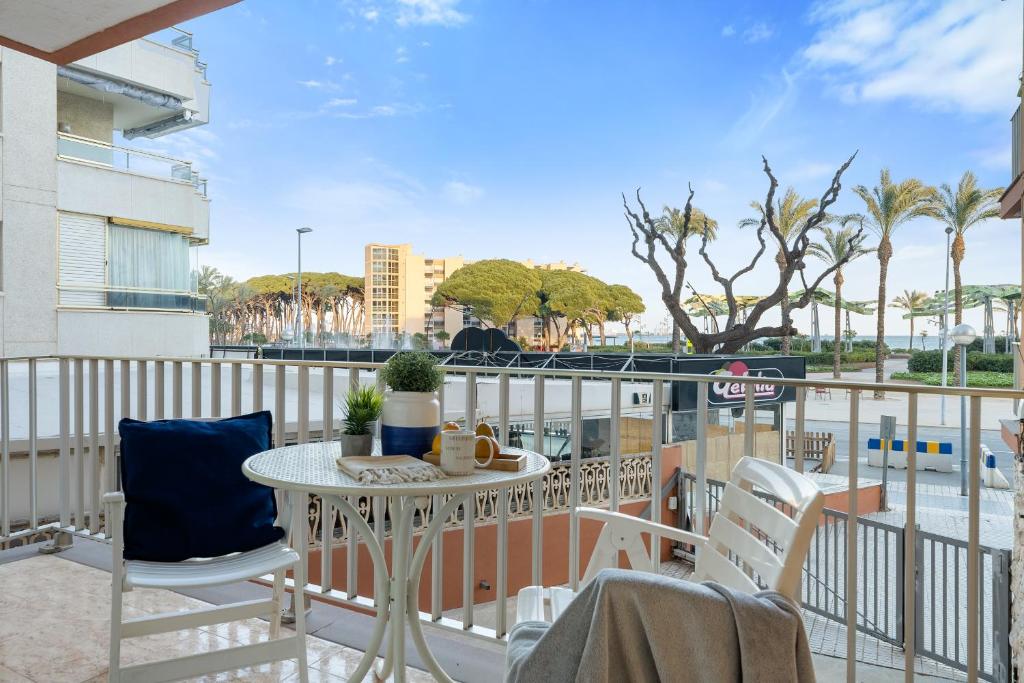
(58, 453)
(940, 585)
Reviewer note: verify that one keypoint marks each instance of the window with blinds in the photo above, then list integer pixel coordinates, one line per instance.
(82, 267)
(148, 269)
(105, 265)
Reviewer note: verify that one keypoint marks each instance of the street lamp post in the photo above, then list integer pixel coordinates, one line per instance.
(301, 332)
(962, 336)
(945, 333)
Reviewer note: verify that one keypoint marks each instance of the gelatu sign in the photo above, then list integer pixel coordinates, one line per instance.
(724, 392)
(727, 391)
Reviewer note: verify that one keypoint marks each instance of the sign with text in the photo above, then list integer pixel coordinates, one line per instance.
(725, 391)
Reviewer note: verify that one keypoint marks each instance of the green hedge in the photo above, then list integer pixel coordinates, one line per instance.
(993, 380)
(825, 357)
(931, 361)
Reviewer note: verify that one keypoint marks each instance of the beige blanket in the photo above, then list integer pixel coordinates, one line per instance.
(628, 626)
(389, 469)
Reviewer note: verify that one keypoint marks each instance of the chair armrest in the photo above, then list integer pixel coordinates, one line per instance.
(642, 526)
(115, 527)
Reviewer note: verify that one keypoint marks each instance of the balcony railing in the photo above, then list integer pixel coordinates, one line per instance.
(61, 462)
(79, 295)
(1015, 145)
(76, 148)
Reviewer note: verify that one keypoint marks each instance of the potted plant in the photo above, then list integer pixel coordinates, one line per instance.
(363, 406)
(412, 414)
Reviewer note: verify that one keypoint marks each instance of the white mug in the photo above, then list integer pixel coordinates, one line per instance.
(458, 452)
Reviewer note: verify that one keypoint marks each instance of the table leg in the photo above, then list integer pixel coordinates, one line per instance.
(435, 527)
(299, 527)
(382, 584)
(402, 510)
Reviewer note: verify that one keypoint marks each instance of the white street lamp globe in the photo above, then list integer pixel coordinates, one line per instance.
(963, 334)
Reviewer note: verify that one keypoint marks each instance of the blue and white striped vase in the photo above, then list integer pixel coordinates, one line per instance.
(409, 422)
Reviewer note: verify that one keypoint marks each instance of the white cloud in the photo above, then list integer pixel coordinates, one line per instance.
(331, 60)
(329, 86)
(758, 32)
(401, 55)
(956, 54)
(357, 200)
(765, 106)
(371, 14)
(997, 158)
(430, 12)
(728, 31)
(459, 192)
(341, 102)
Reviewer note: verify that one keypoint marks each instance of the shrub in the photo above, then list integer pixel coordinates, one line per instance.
(925, 361)
(412, 371)
(989, 362)
(931, 361)
(825, 357)
(979, 343)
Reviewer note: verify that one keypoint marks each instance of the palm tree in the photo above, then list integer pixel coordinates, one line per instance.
(839, 246)
(911, 301)
(673, 221)
(959, 210)
(888, 206)
(790, 211)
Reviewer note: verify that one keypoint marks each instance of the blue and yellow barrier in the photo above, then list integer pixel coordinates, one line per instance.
(931, 455)
(900, 446)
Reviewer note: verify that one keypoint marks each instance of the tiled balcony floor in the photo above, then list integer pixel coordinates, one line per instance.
(54, 628)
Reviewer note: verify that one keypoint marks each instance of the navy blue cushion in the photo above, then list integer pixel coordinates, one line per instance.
(185, 492)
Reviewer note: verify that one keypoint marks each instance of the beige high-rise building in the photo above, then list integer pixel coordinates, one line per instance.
(399, 288)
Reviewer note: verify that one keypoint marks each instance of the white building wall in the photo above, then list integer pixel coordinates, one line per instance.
(28, 203)
(89, 189)
(33, 184)
(132, 333)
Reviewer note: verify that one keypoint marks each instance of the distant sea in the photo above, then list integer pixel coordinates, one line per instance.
(897, 341)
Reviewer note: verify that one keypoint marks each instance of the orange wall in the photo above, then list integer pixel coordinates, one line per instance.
(555, 553)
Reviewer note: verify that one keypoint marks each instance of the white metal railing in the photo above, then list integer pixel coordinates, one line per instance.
(136, 161)
(58, 452)
(116, 297)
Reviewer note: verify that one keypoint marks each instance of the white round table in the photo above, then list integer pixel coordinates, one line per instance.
(312, 468)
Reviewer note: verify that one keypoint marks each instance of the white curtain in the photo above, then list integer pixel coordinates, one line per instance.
(148, 259)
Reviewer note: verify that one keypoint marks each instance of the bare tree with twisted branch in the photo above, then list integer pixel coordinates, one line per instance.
(650, 243)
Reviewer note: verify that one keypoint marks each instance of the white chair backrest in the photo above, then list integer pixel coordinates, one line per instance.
(753, 544)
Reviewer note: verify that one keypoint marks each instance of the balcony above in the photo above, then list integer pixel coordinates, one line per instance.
(1010, 202)
(130, 185)
(62, 32)
(155, 85)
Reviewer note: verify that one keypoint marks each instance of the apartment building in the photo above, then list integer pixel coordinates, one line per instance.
(98, 240)
(399, 289)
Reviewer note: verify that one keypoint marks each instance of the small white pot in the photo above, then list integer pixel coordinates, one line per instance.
(409, 422)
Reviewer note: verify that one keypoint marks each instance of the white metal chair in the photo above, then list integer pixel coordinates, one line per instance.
(751, 544)
(274, 558)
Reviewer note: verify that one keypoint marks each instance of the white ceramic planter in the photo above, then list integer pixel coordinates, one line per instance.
(409, 422)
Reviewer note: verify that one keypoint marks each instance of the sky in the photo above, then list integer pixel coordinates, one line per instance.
(511, 128)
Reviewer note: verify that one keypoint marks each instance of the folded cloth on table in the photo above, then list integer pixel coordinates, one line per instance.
(389, 469)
